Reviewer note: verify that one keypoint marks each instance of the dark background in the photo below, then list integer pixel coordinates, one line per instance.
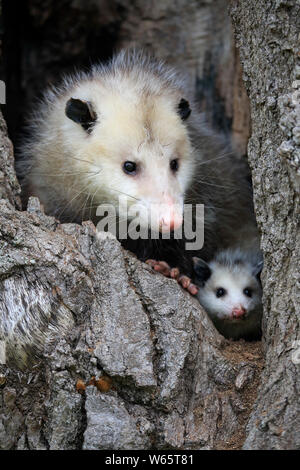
(42, 40)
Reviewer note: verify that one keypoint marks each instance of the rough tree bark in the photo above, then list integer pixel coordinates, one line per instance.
(136, 363)
(267, 34)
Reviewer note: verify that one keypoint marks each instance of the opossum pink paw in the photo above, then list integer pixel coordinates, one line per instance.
(163, 268)
(160, 266)
(174, 273)
(187, 284)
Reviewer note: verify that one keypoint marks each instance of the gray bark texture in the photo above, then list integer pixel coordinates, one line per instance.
(100, 352)
(267, 35)
(123, 358)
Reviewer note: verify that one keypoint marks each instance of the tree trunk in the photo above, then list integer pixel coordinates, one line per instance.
(267, 35)
(124, 358)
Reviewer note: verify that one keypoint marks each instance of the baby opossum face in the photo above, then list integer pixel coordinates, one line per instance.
(227, 293)
(138, 149)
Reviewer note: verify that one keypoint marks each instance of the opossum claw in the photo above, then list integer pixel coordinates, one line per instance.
(163, 268)
(186, 283)
(174, 273)
(160, 266)
(193, 289)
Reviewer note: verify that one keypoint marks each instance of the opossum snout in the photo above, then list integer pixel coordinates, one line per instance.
(238, 312)
(170, 215)
(171, 221)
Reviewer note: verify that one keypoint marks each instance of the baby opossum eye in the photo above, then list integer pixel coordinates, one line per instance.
(220, 292)
(184, 109)
(174, 165)
(247, 292)
(130, 168)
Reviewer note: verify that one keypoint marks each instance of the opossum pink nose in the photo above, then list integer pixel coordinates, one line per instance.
(170, 221)
(238, 312)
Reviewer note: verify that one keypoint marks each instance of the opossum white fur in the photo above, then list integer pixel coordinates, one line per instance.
(230, 291)
(135, 106)
(135, 110)
(26, 332)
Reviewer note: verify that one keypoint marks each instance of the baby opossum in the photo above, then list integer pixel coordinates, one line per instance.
(231, 293)
(126, 129)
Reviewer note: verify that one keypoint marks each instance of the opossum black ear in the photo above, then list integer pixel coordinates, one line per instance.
(202, 270)
(184, 109)
(258, 269)
(81, 112)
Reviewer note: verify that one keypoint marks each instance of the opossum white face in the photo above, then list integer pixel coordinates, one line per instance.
(138, 148)
(228, 293)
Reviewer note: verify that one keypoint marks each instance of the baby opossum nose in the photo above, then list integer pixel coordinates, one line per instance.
(238, 312)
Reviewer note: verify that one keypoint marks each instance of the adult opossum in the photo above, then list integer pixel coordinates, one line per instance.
(126, 129)
(230, 291)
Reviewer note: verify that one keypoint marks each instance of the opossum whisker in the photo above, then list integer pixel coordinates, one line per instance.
(125, 194)
(92, 200)
(213, 159)
(83, 160)
(73, 199)
(206, 206)
(83, 192)
(84, 206)
(63, 174)
(214, 185)
(115, 216)
(102, 203)
(91, 206)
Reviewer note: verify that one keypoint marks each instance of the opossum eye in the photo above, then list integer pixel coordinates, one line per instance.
(130, 168)
(81, 112)
(220, 292)
(248, 292)
(174, 164)
(184, 109)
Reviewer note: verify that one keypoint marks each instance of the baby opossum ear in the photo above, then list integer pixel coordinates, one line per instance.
(81, 112)
(202, 270)
(258, 269)
(184, 109)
